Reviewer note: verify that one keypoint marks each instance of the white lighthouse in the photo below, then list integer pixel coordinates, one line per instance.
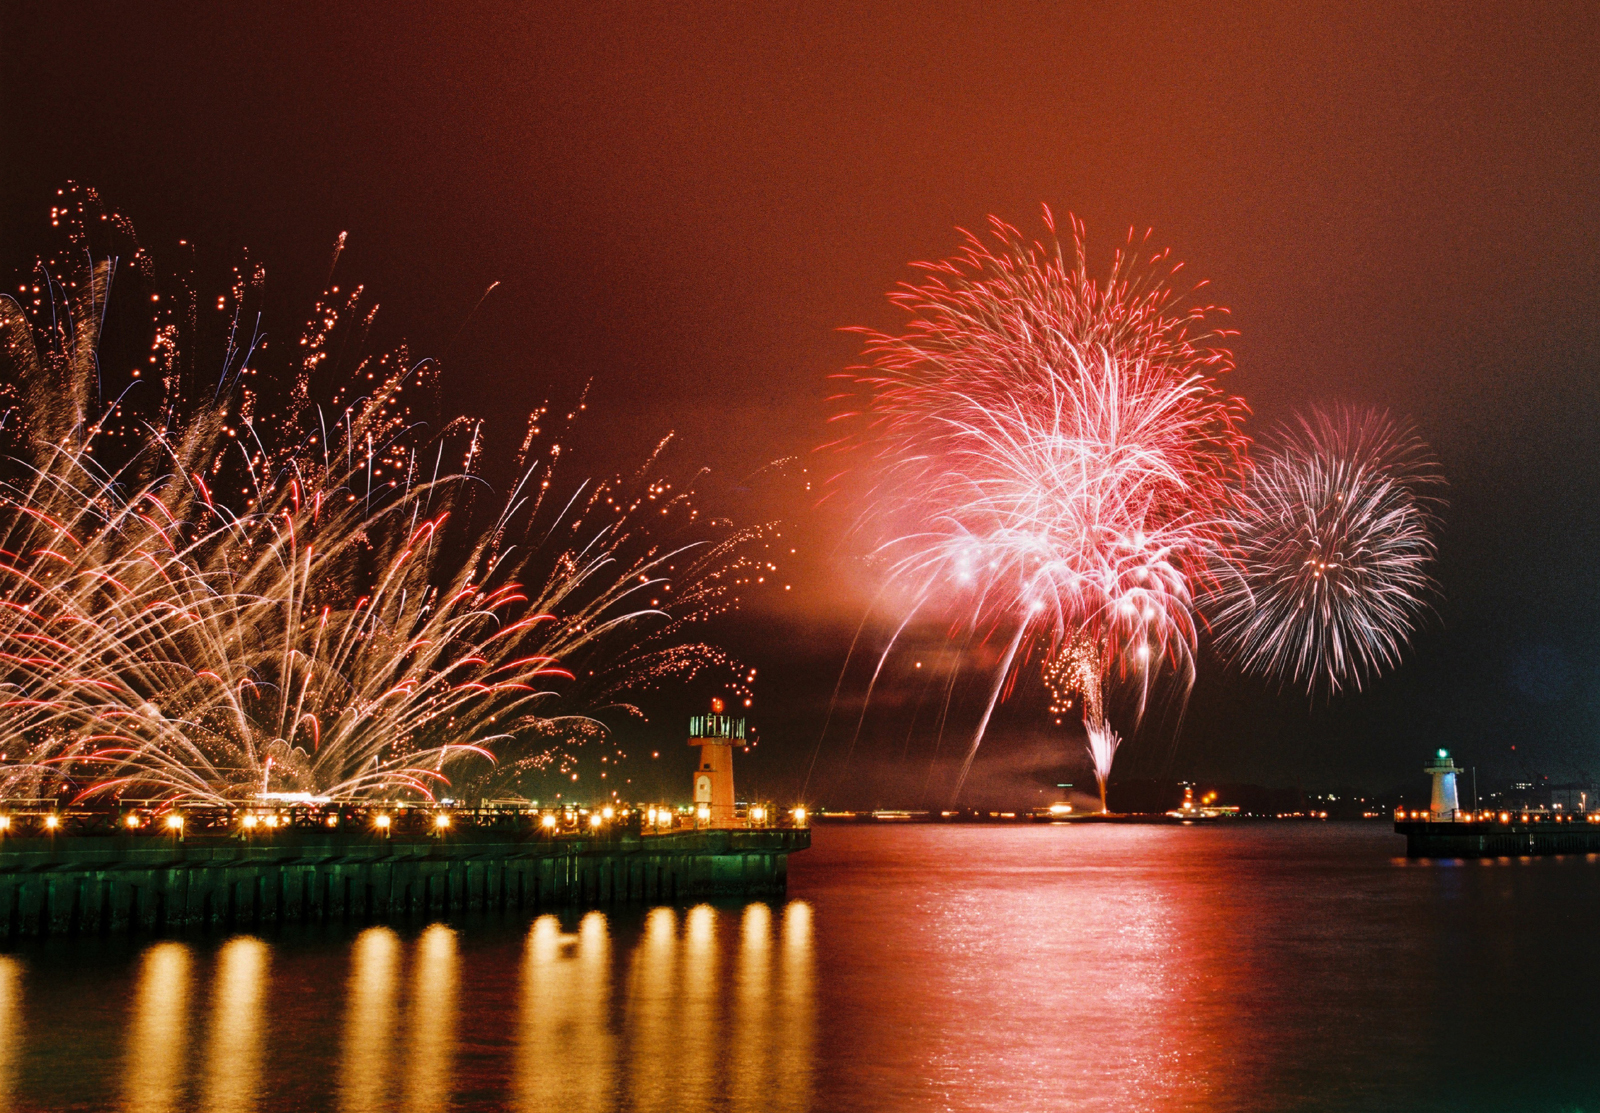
(1445, 807)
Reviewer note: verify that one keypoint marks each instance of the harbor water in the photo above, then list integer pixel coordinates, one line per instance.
(1271, 966)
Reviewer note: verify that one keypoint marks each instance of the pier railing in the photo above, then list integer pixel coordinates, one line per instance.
(257, 821)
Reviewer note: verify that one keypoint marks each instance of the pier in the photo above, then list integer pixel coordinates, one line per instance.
(123, 880)
(1499, 836)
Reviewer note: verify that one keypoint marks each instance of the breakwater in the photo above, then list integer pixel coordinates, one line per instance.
(1490, 838)
(66, 883)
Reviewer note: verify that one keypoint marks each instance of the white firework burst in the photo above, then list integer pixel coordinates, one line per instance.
(1328, 575)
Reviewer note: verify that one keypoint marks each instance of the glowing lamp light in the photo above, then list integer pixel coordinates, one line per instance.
(799, 815)
(175, 822)
(703, 812)
(548, 821)
(382, 822)
(652, 814)
(333, 821)
(52, 821)
(5, 823)
(758, 813)
(607, 812)
(272, 821)
(132, 821)
(1060, 809)
(594, 820)
(249, 822)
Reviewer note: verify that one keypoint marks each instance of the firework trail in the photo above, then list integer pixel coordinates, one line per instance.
(1327, 576)
(1102, 743)
(199, 603)
(1051, 455)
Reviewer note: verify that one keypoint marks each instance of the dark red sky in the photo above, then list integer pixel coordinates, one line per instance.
(686, 202)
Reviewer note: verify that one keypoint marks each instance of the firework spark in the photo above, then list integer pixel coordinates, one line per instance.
(1328, 576)
(199, 604)
(1051, 455)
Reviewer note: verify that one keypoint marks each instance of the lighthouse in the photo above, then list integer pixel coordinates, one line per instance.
(1445, 807)
(716, 734)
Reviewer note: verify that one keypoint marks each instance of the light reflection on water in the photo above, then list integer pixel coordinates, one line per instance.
(366, 1058)
(11, 1021)
(792, 1039)
(431, 1048)
(698, 997)
(233, 1075)
(567, 1053)
(159, 1033)
(750, 1054)
(651, 1023)
(1242, 967)
(698, 1009)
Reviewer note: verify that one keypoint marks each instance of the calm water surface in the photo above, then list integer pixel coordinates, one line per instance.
(1271, 967)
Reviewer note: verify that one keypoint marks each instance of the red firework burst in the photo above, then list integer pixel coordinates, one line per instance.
(1051, 455)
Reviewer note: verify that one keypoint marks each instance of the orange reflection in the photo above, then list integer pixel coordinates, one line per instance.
(159, 1036)
(699, 1048)
(430, 1058)
(367, 1059)
(233, 1066)
(567, 1054)
(10, 1027)
(793, 1035)
(750, 1043)
(651, 1020)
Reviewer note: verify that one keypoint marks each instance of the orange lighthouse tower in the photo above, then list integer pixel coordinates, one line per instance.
(716, 734)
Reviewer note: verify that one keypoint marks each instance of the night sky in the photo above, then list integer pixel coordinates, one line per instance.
(686, 203)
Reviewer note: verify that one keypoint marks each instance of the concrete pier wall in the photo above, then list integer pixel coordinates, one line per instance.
(1488, 839)
(103, 883)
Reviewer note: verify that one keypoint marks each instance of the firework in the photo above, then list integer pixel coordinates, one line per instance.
(1077, 671)
(200, 603)
(1103, 743)
(1051, 455)
(1328, 576)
